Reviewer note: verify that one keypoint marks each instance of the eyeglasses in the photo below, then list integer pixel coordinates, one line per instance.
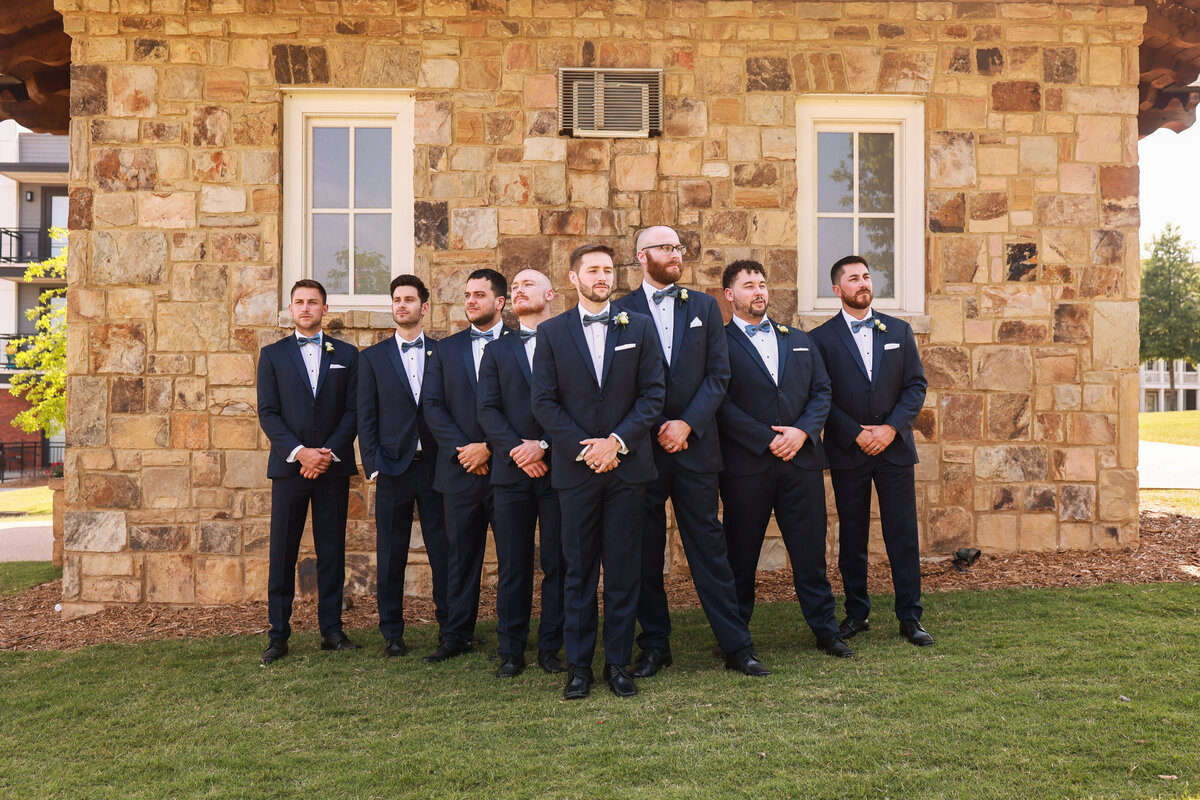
(667, 249)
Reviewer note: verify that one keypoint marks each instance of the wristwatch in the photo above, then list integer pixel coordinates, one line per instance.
(542, 443)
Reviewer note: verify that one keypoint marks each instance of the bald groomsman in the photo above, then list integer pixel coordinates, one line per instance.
(687, 456)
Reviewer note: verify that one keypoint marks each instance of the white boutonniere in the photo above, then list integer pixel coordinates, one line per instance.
(621, 319)
(782, 328)
(328, 347)
(879, 324)
(683, 294)
(428, 352)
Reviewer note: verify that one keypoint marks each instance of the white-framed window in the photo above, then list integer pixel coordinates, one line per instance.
(860, 164)
(348, 192)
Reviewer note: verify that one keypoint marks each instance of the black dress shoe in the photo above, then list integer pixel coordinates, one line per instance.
(619, 681)
(852, 625)
(911, 629)
(446, 650)
(549, 661)
(510, 665)
(834, 646)
(579, 682)
(650, 662)
(478, 641)
(338, 641)
(395, 648)
(746, 662)
(276, 650)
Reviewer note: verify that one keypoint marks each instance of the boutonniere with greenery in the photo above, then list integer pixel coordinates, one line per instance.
(621, 319)
(428, 352)
(328, 347)
(683, 294)
(879, 324)
(782, 328)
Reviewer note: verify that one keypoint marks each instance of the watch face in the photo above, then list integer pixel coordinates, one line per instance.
(544, 444)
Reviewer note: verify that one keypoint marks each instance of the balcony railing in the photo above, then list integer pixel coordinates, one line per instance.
(9, 349)
(27, 459)
(25, 245)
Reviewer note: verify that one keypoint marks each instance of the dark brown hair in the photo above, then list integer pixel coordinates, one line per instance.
(309, 283)
(579, 252)
(743, 265)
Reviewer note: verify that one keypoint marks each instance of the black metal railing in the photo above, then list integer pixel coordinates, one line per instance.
(9, 349)
(27, 459)
(24, 245)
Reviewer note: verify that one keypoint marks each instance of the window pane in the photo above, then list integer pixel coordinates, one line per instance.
(835, 238)
(372, 168)
(372, 253)
(876, 172)
(835, 171)
(877, 244)
(331, 168)
(331, 251)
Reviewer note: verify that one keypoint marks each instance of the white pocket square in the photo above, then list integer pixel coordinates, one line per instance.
(891, 346)
(799, 349)
(625, 346)
(696, 323)
(337, 366)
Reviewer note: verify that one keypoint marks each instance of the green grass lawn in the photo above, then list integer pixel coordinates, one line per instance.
(34, 501)
(1028, 694)
(1172, 427)
(1179, 501)
(17, 576)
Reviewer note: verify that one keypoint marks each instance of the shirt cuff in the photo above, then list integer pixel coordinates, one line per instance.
(623, 449)
(335, 458)
(374, 475)
(292, 456)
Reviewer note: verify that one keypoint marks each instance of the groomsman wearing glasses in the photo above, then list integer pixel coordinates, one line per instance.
(306, 406)
(399, 454)
(451, 412)
(598, 392)
(770, 427)
(878, 389)
(525, 500)
(687, 457)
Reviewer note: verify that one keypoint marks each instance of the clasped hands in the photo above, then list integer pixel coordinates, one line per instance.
(787, 441)
(874, 439)
(601, 454)
(314, 461)
(474, 457)
(530, 457)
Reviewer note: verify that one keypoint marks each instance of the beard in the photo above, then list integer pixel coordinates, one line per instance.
(755, 308)
(483, 318)
(662, 270)
(531, 305)
(597, 294)
(860, 300)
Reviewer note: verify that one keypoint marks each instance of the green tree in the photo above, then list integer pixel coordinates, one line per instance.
(42, 357)
(1170, 304)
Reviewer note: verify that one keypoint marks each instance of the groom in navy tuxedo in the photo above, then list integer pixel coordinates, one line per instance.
(878, 389)
(598, 391)
(307, 384)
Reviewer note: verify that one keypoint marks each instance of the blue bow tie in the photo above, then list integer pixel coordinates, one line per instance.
(526, 335)
(857, 325)
(591, 319)
(670, 291)
(303, 340)
(406, 346)
(478, 334)
(763, 326)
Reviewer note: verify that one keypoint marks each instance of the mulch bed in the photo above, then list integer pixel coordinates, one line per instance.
(1169, 550)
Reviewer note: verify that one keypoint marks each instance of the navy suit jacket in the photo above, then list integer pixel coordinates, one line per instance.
(893, 395)
(292, 416)
(448, 399)
(697, 375)
(572, 406)
(754, 402)
(389, 420)
(506, 406)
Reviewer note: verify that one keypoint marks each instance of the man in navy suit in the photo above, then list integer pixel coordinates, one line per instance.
(398, 454)
(525, 500)
(770, 427)
(451, 412)
(687, 456)
(598, 391)
(878, 389)
(306, 407)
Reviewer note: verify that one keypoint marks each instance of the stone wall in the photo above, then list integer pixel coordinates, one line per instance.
(1028, 438)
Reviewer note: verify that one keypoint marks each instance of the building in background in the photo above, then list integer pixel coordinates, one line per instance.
(1155, 381)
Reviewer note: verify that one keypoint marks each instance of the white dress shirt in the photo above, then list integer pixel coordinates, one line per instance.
(530, 345)
(311, 353)
(477, 345)
(414, 370)
(597, 337)
(865, 339)
(664, 318)
(765, 344)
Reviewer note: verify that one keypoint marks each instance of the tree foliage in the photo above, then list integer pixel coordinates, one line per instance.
(42, 358)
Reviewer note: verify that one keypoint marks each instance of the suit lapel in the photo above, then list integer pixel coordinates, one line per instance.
(781, 340)
(293, 348)
(610, 345)
(468, 353)
(323, 370)
(523, 359)
(877, 343)
(575, 326)
(741, 338)
(843, 332)
(679, 328)
(397, 363)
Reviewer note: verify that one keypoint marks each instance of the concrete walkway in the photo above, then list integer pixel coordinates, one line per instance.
(26, 540)
(1168, 466)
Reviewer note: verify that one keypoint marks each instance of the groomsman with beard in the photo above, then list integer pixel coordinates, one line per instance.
(770, 427)
(525, 500)
(687, 456)
(399, 454)
(462, 475)
(878, 390)
(598, 392)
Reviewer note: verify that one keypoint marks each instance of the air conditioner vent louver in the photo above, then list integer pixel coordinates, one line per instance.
(610, 102)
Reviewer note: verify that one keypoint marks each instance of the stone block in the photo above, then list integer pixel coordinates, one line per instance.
(159, 538)
(947, 212)
(947, 367)
(1038, 532)
(118, 347)
(1115, 326)
(191, 326)
(94, 531)
(86, 412)
(1077, 502)
(1011, 463)
(1056, 365)
(110, 490)
(169, 579)
(906, 70)
(134, 91)
(473, 228)
(997, 533)
(432, 123)
(166, 487)
(725, 227)
(768, 74)
(949, 529)
(220, 538)
(124, 169)
(1008, 416)
(210, 126)
(236, 246)
(1099, 139)
(595, 154)
(962, 417)
(127, 396)
(1060, 65)
(680, 158)
(167, 210)
(1118, 495)
(246, 469)
(587, 189)
(219, 580)
(962, 258)
(1002, 368)
(296, 64)
(189, 430)
(1016, 96)
(951, 159)
(88, 89)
